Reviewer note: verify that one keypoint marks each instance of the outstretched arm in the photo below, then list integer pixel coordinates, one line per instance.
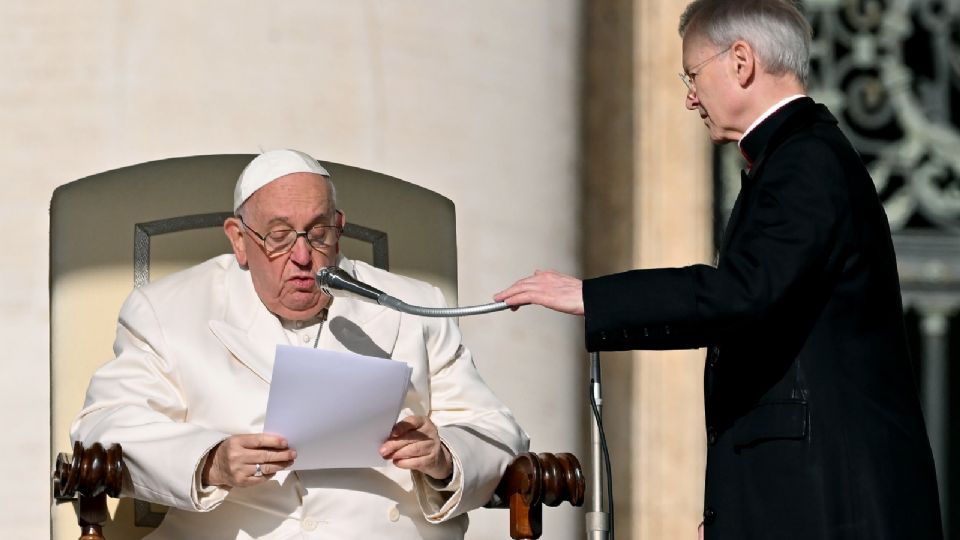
(546, 288)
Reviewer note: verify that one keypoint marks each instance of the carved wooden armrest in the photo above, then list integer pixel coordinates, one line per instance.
(535, 479)
(88, 477)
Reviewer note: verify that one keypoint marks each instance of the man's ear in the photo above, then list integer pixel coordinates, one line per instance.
(745, 61)
(234, 231)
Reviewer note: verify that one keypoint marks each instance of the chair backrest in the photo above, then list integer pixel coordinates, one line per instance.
(116, 230)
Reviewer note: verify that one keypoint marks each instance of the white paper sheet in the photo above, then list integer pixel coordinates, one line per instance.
(335, 409)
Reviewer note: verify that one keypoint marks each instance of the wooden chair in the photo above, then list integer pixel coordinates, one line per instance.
(117, 230)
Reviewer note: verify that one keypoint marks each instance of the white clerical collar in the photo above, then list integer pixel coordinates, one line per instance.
(289, 324)
(776, 107)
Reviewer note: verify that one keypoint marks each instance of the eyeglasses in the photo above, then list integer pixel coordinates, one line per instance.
(279, 241)
(689, 78)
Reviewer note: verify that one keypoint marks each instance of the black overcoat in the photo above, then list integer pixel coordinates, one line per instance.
(814, 427)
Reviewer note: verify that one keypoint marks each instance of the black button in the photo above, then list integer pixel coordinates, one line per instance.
(711, 436)
(625, 335)
(646, 332)
(709, 516)
(666, 330)
(603, 336)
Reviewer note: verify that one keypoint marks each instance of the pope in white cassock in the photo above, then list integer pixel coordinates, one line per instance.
(186, 393)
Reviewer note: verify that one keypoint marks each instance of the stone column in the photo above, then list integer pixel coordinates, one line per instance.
(934, 325)
(647, 204)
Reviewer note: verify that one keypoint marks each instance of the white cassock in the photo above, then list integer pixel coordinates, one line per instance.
(194, 356)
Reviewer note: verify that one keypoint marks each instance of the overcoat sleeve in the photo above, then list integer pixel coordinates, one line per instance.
(784, 236)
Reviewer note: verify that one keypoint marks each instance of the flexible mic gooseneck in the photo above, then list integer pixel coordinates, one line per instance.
(336, 282)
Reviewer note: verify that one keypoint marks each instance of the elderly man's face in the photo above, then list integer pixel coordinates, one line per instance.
(285, 282)
(710, 72)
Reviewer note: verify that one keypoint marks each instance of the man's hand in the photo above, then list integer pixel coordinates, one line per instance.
(549, 289)
(233, 462)
(415, 444)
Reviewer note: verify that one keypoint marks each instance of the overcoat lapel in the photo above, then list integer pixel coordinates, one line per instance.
(763, 141)
(735, 212)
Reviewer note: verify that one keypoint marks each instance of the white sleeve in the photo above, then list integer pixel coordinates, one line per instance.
(135, 400)
(477, 428)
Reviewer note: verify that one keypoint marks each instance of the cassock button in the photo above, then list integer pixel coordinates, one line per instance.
(393, 514)
(308, 524)
(603, 336)
(711, 436)
(709, 516)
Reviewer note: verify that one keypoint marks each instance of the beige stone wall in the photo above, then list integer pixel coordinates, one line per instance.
(477, 100)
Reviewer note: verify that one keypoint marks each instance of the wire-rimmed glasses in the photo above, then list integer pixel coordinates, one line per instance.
(279, 241)
(689, 77)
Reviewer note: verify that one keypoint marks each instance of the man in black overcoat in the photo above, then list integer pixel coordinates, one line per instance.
(814, 427)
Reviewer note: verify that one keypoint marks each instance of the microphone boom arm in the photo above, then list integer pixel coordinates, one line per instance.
(337, 282)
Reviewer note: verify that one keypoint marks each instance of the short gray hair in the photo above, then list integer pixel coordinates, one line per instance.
(777, 31)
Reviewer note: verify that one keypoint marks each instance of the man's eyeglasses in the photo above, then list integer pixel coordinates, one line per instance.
(279, 241)
(689, 78)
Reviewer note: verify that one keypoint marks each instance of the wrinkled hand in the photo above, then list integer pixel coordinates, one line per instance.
(233, 462)
(414, 444)
(546, 288)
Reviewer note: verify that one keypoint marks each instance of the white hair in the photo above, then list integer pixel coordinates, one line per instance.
(777, 31)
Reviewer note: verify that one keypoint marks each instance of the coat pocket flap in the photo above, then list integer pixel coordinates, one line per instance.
(772, 420)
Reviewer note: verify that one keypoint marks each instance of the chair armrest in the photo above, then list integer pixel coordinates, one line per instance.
(535, 479)
(88, 477)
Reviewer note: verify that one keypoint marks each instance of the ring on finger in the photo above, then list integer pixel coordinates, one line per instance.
(258, 471)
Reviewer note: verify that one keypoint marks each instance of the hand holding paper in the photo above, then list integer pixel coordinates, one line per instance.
(335, 409)
(414, 444)
(236, 459)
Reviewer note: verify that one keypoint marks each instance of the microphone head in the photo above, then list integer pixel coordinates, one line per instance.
(324, 276)
(338, 283)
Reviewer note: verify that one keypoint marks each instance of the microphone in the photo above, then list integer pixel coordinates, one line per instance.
(336, 282)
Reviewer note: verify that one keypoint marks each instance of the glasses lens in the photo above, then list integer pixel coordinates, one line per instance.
(321, 237)
(279, 240)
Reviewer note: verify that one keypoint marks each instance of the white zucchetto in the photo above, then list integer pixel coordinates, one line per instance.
(269, 166)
